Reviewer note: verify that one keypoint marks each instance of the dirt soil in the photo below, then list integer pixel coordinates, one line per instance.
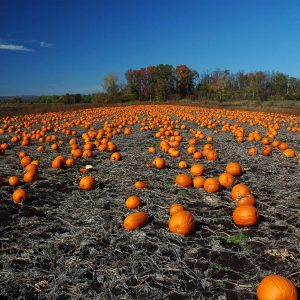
(66, 243)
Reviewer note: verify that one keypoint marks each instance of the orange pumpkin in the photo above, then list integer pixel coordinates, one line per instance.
(133, 202)
(14, 180)
(22, 154)
(30, 177)
(183, 180)
(233, 168)
(182, 164)
(70, 162)
(226, 179)
(283, 146)
(240, 190)
(57, 163)
(276, 287)
(151, 150)
(289, 152)
(136, 220)
(26, 160)
(159, 163)
(246, 200)
(140, 185)
(212, 155)
(31, 168)
(182, 222)
(77, 153)
(19, 196)
(87, 183)
(175, 208)
(252, 151)
(212, 185)
(198, 182)
(191, 150)
(267, 151)
(245, 215)
(197, 170)
(197, 155)
(116, 156)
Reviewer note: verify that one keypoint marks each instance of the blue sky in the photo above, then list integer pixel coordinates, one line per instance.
(59, 46)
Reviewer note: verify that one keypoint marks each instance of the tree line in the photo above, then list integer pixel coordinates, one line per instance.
(162, 82)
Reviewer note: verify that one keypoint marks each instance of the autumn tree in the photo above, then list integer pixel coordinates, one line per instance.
(186, 79)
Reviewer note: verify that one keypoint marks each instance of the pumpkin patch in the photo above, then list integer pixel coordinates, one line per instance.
(198, 200)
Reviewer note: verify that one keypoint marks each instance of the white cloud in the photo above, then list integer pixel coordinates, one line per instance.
(46, 45)
(14, 47)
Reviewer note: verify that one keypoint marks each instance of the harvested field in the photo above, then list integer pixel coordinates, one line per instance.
(68, 243)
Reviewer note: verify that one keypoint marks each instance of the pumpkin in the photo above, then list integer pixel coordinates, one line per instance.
(26, 160)
(198, 182)
(30, 176)
(252, 151)
(192, 142)
(87, 183)
(140, 185)
(183, 180)
(267, 151)
(240, 190)
(233, 168)
(182, 164)
(40, 148)
(70, 162)
(159, 163)
(182, 222)
(54, 147)
(133, 202)
(175, 208)
(19, 196)
(116, 156)
(197, 155)
(77, 153)
(22, 154)
(265, 141)
(289, 152)
(211, 155)
(209, 139)
(276, 143)
(246, 200)
(87, 153)
(136, 220)
(57, 163)
(191, 150)
(111, 147)
(226, 179)
(276, 287)
(4, 146)
(14, 180)
(245, 215)
(31, 168)
(151, 150)
(175, 153)
(197, 170)
(283, 146)
(212, 185)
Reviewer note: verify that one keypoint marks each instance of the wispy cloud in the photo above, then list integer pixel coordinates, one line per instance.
(46, 45)
(12, 47)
